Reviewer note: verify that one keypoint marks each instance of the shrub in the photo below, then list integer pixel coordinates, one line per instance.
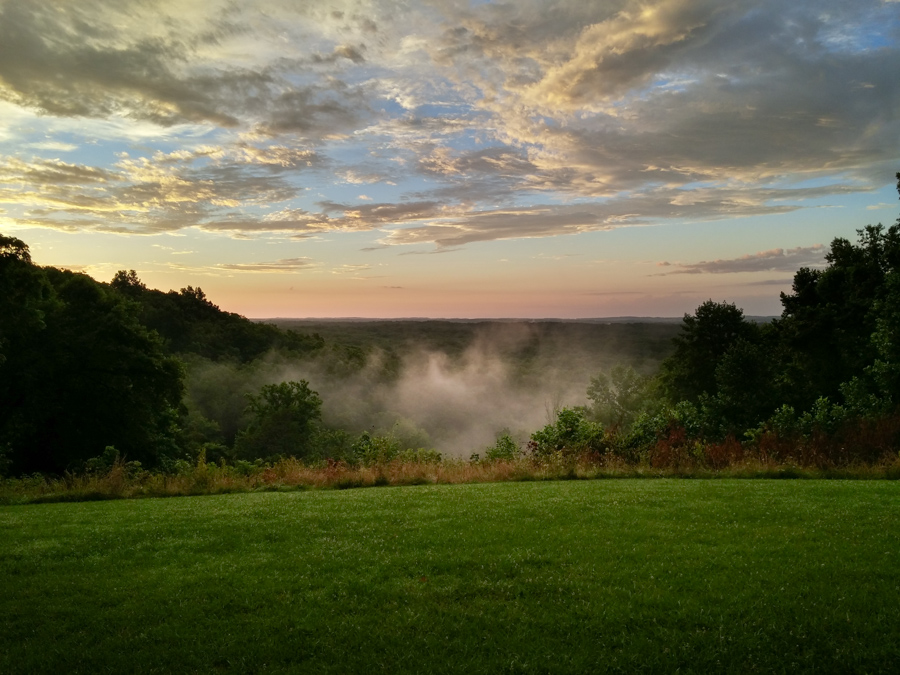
(245, 468)
(109, 460)
(824, 418)
(571, 434)
(372, 450)
(505, 448)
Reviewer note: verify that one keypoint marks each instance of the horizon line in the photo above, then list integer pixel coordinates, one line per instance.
(511, 319)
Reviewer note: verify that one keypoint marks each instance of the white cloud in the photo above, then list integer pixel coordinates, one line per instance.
(283, 266)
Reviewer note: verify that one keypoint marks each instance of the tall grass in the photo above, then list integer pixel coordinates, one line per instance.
(668, 459)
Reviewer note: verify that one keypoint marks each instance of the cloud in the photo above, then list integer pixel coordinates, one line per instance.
(498, 120)
(232, 189)
(774, 260)
(51, 172)
(770, 282)
(355, 177)
(138, 195)
(451, 227)
(340, 52)
(283, 266)
(353, 270)
(168, 65)
(618, 96)
(279, 156)
(54, 146)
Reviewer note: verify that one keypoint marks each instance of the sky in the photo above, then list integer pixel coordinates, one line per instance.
(449, 158)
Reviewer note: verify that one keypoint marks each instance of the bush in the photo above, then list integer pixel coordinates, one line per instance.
(571, 434)
(371, 450)
(505, 448)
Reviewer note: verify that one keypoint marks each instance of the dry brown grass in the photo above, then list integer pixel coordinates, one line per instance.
(669, 460)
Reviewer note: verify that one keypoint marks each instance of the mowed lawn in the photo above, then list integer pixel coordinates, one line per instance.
(556, 577)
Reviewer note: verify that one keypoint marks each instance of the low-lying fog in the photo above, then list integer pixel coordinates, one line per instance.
(509, 377)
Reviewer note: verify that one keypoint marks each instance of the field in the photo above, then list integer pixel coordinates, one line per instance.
(568, 577)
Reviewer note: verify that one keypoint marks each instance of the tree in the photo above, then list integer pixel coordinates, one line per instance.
(128, 283)
(705, 338)
(619, 396)
(877, 389)
(81, 373)
(189, 323)
(285, 422)
(746, 388)
(24, 295)
(570, 434)
(830, 316)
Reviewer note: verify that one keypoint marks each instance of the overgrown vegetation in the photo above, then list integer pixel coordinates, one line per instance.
(172, 386)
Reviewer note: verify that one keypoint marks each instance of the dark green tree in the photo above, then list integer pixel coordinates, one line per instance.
(747, 390)
(705, 338)
(81, 373)
(189, 323)
(129, 284)
(831, 314)
(285, 422)
(25, 295)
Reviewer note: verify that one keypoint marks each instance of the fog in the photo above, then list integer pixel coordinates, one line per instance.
(506, 377)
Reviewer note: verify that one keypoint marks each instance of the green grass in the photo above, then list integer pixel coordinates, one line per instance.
(568, 577)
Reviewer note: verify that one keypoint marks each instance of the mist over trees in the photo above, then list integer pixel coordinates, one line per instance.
(91, 370)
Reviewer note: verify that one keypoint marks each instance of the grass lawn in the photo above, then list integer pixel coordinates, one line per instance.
(561, 577)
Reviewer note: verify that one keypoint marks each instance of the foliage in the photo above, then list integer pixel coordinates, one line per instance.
(620, 396)
(505, 448)
(111, 463)
(371, 450)
(5, 460)
(380, 449)
(284, 421)
(883, 375)
(831, 315)
(745, 387)
(705, 338)
(80, 372)
(189, 322)
(570, 434)
(24, 295)
(834, 354)
(823, 418)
